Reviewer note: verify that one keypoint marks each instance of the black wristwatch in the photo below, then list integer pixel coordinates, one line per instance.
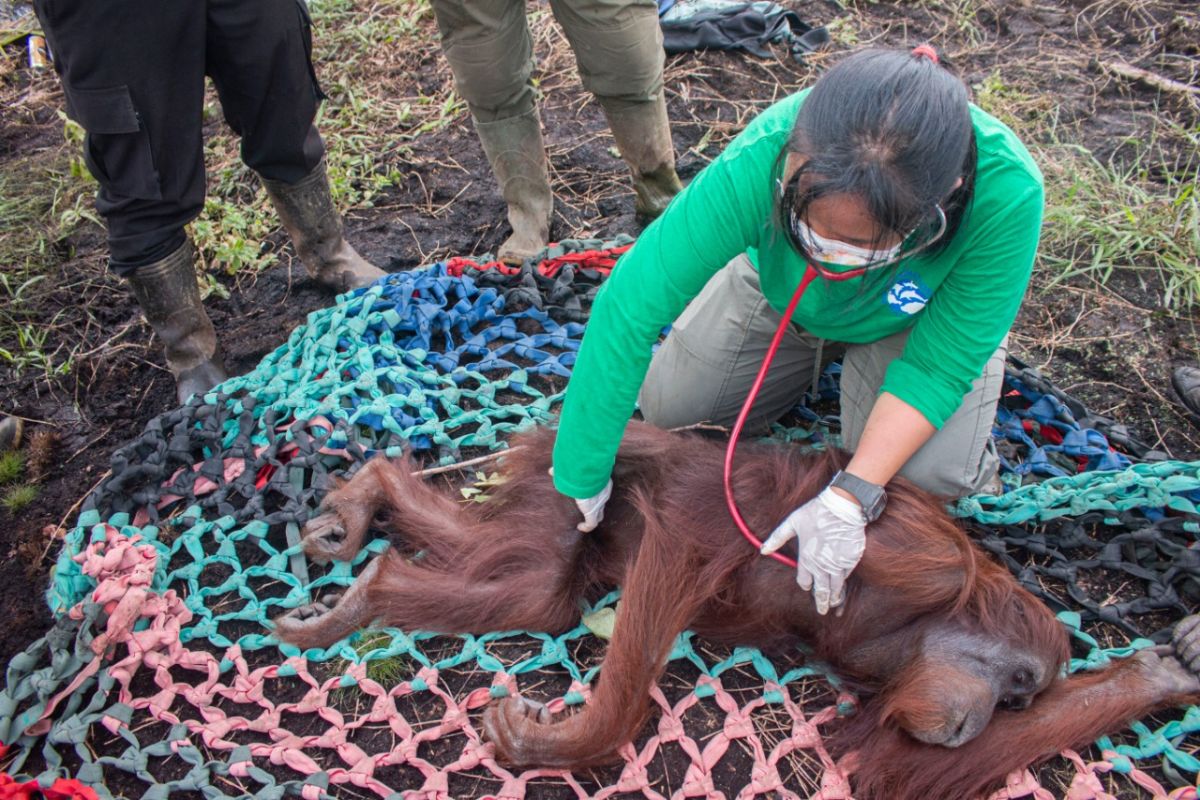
(870, 496)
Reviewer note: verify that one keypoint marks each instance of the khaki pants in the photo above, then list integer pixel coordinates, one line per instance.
(704, 370)
(617, 44)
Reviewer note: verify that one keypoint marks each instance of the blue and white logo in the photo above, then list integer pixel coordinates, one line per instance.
(908, 295)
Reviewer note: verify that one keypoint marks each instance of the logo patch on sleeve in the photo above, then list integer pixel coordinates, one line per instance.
(908, 295)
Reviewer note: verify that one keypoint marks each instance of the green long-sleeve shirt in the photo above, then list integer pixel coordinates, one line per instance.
(959, 301)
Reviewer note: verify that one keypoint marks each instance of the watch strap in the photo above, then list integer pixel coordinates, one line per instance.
(870, 496)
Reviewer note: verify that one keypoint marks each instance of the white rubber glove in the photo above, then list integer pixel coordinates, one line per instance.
(592, 508)
(831, 533)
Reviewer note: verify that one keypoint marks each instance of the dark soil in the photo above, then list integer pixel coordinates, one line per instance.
(1113, 347)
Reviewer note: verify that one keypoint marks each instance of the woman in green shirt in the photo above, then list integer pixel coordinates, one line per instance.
(920, 213)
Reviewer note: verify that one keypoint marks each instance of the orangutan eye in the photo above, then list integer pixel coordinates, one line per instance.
(1022, 679)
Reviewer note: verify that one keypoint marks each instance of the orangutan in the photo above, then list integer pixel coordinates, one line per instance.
(963, 669)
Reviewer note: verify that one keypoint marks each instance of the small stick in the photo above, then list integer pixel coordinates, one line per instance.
(70, 511)
(1160, 82)
(83, 449)
(699, 426)
(464, 464)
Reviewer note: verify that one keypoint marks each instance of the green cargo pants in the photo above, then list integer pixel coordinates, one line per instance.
(617, 44)
(704, 370)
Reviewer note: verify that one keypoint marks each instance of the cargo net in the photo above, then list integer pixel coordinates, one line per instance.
(160, 677)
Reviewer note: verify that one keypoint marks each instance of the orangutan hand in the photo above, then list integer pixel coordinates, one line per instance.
(830, 532)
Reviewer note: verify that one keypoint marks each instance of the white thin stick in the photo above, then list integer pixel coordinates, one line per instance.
(464, 464)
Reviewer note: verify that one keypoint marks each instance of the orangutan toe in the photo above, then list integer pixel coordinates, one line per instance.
(298, 625)
(535, 711)
(512, 726)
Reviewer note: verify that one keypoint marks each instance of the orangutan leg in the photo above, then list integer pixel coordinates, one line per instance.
(398, 592)
(410, 509)
(654, 609)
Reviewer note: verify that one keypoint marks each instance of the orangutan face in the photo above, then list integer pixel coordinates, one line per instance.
(960, 677)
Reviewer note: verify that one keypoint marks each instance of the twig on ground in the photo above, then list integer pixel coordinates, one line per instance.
(465, 464)
(70, 511)
(701, 426)
(425, 473)
(1153, 79)
(76, 454)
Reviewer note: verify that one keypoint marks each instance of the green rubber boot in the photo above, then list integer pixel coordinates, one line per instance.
(515, 150)
(643, 135)
(307, 212)
(170, 299)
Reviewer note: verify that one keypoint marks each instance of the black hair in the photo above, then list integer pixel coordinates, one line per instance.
(892, 128)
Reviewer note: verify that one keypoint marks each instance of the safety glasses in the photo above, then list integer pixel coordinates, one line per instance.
(924, 235)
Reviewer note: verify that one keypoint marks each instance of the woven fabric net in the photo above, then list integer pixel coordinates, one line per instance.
(161, 677)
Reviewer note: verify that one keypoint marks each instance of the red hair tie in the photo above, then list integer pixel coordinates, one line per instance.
(926, 51)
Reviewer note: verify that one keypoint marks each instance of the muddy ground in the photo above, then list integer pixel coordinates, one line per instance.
(1111, 345)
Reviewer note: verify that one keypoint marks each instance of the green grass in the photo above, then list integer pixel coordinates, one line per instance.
(19, 497)
(1139, 214)
(385, 671)
(43, 200)
(12, 466)
(1101, 217)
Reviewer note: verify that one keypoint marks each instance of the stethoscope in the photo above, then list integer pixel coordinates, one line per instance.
(811, 271)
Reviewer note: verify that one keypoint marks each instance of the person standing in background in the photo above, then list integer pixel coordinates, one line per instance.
(618, 48)
(133, 74)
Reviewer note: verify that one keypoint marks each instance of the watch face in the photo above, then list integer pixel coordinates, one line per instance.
(877, 507)
(872, 498)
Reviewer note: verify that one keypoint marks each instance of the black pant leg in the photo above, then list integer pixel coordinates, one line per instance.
(259, 57)
(133, 75)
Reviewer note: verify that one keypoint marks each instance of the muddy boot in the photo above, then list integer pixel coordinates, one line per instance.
(1186, 381)
(514, 149)
(307, 212)
(643, 135)
(167, 292)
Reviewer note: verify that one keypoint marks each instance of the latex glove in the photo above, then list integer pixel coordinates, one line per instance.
(831, 533)
(592, 508)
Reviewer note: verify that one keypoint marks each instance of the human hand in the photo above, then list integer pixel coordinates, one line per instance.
(592, 508)
(830, 531)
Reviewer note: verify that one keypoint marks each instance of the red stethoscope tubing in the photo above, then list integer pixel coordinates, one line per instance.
(809, 273)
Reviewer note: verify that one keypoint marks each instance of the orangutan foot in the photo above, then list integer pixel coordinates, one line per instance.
(512, 725)
(325, 539)
(330, 617)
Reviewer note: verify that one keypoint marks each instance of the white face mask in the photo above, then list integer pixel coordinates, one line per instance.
(831, 251)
